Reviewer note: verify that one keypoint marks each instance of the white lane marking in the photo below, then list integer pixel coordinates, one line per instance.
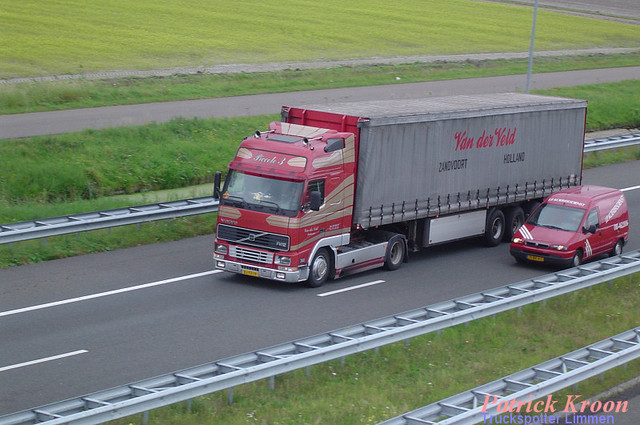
(106, 294)
(46, 359)
(351, 288)
(626, 189)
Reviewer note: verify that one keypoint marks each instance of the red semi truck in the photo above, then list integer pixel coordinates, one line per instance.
(334, 189)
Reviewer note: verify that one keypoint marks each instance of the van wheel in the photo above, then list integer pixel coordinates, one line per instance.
(394, 256)
(319, 270)
(514, 218)
(617, 248)
(494, 228)
(577, 259)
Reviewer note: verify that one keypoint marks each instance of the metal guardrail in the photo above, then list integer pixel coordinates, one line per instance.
(74, 223)
(179, 386)
(613, 142)
(480, 404)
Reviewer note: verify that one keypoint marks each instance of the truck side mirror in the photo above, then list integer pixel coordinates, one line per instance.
(315, 200)
(217, 178)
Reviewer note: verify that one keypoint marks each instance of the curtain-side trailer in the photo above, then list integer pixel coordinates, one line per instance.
(333, 189)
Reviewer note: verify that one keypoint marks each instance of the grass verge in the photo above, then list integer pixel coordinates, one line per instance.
(46, 96)
(370, 387)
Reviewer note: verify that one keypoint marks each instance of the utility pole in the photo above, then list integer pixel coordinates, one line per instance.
(533, 33)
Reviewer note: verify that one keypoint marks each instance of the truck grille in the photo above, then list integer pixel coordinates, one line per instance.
(253, 237)
(251, 255)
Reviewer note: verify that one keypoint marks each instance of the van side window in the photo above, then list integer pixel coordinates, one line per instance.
(315, 185)
(592, 219)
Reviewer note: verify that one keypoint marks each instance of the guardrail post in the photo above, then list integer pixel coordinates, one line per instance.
(272, 382)
(145, 418)
(230, 397)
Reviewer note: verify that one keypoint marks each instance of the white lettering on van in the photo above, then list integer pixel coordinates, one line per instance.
(568, 201)
(615, 209)
(621, 225)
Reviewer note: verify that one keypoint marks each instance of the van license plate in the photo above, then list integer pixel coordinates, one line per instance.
(247, 272)
(535, 258)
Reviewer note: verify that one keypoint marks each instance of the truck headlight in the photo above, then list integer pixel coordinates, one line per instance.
(282, 260)
(517, 240)
(558, 247)
(221, 249)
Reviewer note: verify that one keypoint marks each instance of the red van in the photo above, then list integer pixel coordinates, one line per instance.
(573, 225)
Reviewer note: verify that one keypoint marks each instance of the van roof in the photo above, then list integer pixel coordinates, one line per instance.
(582, 196)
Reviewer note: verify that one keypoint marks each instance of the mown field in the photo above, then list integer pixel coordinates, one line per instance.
(68, 36)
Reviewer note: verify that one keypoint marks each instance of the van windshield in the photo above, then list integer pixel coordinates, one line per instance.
(557, 217)
(261, 193)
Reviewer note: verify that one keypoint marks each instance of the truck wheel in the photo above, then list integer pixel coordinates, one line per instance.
(319, 270)
(617, 248)
(394, 256)
(514, 219)
(494, 228)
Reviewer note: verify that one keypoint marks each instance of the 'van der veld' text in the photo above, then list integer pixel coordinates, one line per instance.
(500, 137)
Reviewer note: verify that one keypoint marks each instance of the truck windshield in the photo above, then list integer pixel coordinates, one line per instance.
(557, 217)
(259, 193)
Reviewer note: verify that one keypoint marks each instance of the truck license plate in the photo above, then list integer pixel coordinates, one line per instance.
(535, 258)
(249, 272)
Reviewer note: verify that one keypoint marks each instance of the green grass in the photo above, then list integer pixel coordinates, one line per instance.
(93, 164)
(99, 163)
(67, 36)
(45, 96)
(611, 105)
(372, 387)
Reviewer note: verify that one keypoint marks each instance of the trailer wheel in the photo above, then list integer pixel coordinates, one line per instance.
(514, 218)
(395, 254)
(319, 270)
(494, 228)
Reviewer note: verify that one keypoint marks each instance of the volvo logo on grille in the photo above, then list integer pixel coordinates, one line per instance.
(252, 237)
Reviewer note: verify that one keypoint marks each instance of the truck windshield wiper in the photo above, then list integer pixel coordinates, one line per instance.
(277, 207)
(234, 198)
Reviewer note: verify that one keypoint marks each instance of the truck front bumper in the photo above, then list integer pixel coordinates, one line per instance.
(299, 275)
